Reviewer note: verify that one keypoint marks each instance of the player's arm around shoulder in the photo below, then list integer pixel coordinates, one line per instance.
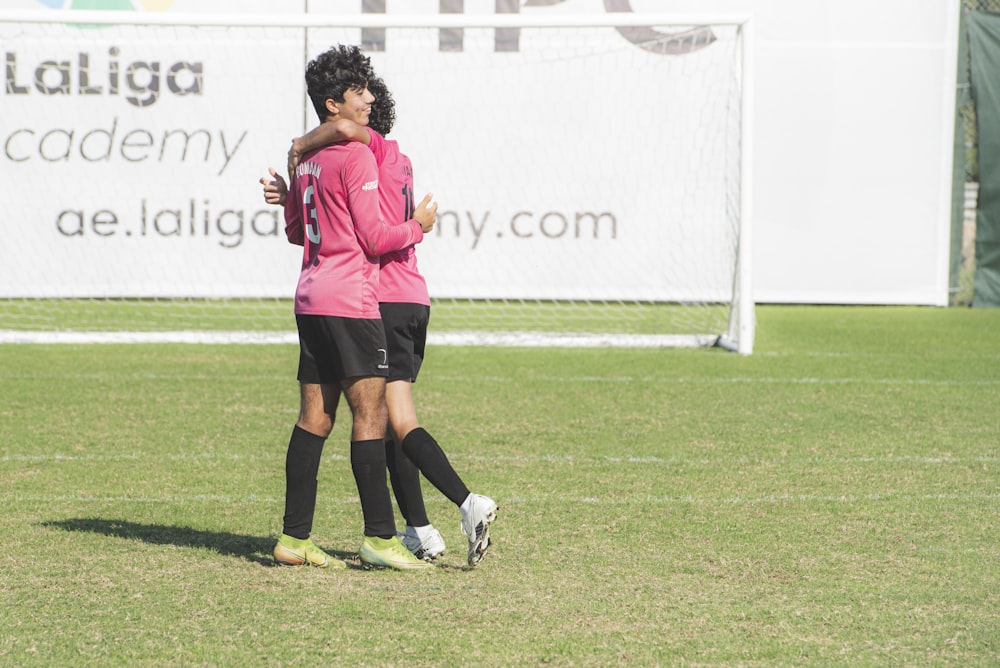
(324, 134)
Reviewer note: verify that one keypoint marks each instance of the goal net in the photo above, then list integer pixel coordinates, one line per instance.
(591, 173)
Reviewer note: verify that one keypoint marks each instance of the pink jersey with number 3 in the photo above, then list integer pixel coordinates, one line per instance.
(400, 281)
(333, 210)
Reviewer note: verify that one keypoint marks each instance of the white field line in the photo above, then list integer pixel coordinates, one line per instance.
(459, 338)
(747, 380)
(279, 456)
(779, 499)
(664, 380)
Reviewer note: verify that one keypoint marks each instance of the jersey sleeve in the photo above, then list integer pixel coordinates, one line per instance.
(376, 145)
(375, 236)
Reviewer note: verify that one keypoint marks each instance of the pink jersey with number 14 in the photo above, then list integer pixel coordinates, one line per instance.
(399, 279)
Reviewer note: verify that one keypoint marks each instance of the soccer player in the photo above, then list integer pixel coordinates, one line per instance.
(333, 211)
(405, 306)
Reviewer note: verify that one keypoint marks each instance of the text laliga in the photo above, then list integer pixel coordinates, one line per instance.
(190, 221)
(141, 77)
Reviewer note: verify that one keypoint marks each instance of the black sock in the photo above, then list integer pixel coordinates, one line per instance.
(368, 464)
(428, 456)
(301, 471)
(405, 478)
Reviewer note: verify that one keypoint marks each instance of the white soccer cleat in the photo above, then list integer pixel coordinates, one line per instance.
(428, 548)
(477, 513)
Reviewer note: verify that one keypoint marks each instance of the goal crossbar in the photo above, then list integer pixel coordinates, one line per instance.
(372, 20)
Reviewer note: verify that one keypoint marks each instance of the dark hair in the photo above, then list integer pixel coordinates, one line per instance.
(334, 72)
(383, 112)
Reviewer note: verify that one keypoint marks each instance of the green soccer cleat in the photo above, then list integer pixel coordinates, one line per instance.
(389, 553)
(298, 552)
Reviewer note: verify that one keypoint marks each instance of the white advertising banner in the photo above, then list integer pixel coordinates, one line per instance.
(567, 164)
(130, 156)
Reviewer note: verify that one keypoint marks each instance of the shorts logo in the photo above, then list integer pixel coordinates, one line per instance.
(384, 364)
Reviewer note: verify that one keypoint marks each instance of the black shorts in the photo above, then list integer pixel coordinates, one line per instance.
(406, 334)
(333, 348)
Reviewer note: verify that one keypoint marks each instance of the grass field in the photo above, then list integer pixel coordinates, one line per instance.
(833, 499)
(275, 315)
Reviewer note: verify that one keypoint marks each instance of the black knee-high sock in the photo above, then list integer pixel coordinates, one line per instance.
(405, 478)
(428, 456)
(368, 464)
(301, 470)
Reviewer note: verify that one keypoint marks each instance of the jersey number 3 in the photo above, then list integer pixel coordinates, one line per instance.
(312, 225)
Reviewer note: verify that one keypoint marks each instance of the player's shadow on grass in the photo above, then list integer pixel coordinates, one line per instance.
(251, 548)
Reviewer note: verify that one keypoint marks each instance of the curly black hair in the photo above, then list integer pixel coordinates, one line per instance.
(334, 72)
(383, 111)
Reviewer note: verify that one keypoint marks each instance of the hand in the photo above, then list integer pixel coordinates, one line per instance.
(275, 189)
(426, 213)
(294, 156)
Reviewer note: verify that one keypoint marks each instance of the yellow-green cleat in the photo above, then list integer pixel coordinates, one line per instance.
(300, 552)
(389, 553)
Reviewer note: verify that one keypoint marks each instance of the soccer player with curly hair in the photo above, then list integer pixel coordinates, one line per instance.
(333, 211)
(404, 303)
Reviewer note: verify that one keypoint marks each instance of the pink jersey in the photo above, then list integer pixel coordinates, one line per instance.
(400, 280)
(336, 188)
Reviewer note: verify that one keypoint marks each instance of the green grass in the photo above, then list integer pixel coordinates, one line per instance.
(275, 315)
(832, 499)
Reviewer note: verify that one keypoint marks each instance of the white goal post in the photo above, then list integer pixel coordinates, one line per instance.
(593, 172)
